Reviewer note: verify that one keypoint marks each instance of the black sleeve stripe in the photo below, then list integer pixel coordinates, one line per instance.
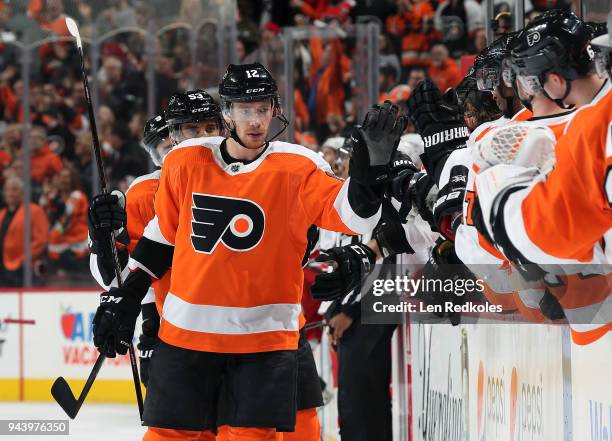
(154, 256)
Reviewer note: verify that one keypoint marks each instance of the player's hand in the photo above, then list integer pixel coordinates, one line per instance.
(421, 194)
(374, 144)
(350, 265)
(443, 264)
(338, 325)
(106, 212)
(402, 170)
(389, 233)
(438, 121)
(147, 342)
(448, 209)
(115, 320)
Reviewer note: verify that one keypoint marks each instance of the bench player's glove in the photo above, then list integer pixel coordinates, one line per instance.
(389, 233)
(443, 264)
(448, 209)
(148, 339)
(351, 265)
(439, 122)
(374, 144)
(115, 319)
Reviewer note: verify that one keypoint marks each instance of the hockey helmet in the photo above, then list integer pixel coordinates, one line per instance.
(155, 133)
(489, 63)
(247, 83)
(557, 41)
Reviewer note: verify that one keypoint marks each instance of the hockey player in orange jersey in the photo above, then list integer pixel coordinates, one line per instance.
(233, 215)
(563, 216)
(188, 117)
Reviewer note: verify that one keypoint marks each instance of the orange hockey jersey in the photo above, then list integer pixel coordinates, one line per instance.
(479, 254)
(563, 218)
(239, 235)
(140, 209)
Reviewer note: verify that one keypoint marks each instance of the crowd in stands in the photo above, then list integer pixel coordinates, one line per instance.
(418, 39)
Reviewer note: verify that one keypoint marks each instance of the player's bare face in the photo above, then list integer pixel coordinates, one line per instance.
(252, 121)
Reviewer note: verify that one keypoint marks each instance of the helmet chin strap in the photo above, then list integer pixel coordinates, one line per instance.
(559, 101)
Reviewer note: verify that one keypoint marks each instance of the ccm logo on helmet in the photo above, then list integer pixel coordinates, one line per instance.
(533, 38)
(261, 89)
(237, 223)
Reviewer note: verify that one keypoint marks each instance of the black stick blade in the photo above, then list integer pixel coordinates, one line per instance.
(62, 393)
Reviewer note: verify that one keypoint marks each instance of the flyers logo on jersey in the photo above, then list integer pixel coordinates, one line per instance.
(237, 223)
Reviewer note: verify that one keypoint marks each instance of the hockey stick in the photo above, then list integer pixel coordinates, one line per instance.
(313, 325)
(60, 386)
(63, 394)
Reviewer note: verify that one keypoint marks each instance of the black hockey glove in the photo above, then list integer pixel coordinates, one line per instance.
(448, 209)
(352, 264)
(444, 265)
(402, 170)
(147, 341)
(106, 213)
(419, 191)
(115, 318)
(439, 122)
(374, 144)
(389, 233)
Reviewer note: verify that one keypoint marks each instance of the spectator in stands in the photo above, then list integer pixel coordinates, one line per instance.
(270, 51)
(388, 87)
(12, 222)
(417, 74)
(387, 55)
(45, 163)
(118, 14)
(443, 70)
(326, 84)
(412, 25)
(129, 159)
(123, 91)
(66, 207)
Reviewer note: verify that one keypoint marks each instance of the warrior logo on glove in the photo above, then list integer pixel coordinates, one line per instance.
(238, 223)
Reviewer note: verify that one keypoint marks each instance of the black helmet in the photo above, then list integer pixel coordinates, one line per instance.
(155, 132)
(192, 106)
(247, 82)
(488, 63)
(557, 41)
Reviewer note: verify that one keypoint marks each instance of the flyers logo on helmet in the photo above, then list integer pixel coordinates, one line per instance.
(237, 223)
(533, 38)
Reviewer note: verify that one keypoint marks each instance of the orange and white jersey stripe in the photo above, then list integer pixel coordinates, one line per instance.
(481, 256)
(239, 234)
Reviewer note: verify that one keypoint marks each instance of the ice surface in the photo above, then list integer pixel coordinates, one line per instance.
(95, 422)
